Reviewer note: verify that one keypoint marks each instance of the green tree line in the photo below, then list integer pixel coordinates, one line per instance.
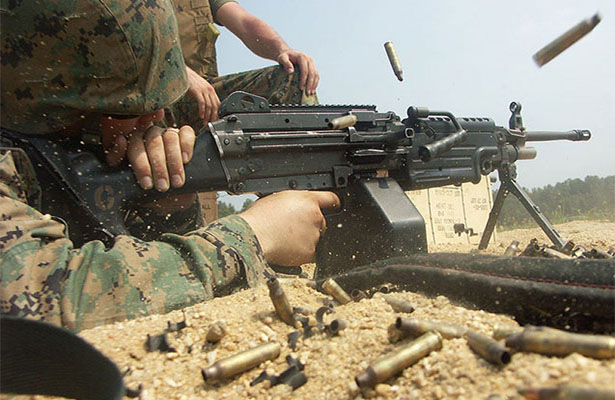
(592, 198)
(225, 209)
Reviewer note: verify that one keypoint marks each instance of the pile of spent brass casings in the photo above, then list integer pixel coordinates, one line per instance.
(569, 251)
(414, 339)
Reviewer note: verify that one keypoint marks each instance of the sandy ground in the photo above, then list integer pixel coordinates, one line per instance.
(590, 234)
(333, 362)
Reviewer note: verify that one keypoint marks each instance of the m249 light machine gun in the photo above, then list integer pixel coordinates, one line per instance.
(369, 158)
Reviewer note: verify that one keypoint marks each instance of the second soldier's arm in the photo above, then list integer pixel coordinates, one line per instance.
(265, 42)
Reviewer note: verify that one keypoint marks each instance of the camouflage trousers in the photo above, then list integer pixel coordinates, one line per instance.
(272, 83)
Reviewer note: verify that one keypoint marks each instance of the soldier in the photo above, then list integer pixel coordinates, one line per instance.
(109, 68)
(278, 84)
(198, 34)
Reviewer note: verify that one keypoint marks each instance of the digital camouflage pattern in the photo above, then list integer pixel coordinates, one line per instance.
(62, 59)
(43, 277)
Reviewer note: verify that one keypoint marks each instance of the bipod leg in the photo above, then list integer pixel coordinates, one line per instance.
(535, 212)
(493, 215)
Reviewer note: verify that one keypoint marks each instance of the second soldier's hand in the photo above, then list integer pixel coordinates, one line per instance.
(205, 95)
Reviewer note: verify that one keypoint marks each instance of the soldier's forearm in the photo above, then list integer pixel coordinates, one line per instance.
(255, 33)
(263, 40)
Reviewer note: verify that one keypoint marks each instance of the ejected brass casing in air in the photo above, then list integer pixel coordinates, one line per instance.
(566, 393)
(416, 327)
(487, 348)
(565, 40)
(343, 122)
(536, 340)
(397, 304)
(399, 359)
(240, 362)
(335, 290)
(216, 332)
(280, 302)
(392, 54)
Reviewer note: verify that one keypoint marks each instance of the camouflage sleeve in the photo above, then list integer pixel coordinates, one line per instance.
(148, 224)
(214, 5)
(43, 277)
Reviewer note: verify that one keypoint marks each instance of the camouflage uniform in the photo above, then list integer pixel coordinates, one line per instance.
(62, 63)
(198, 35)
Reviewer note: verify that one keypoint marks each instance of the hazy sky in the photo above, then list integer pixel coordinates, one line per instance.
(468, 57)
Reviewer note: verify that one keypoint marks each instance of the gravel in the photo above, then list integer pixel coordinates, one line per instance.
(332, 362)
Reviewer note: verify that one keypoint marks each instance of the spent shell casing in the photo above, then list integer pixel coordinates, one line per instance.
(343, 122)
(384, 288)
(216, 332)
(399, 359)
(503, 331)
(562, 343)
(240, 362)
(489, 349)
(599, 253)
(416, 327)
(358, 294)
(512, 249)
(336, 326)
(568, 247)
(565, 40)
(395, 335)
(552, 253)
(335, 290)
(532, 249)
(394, 60)
(280, 302)
(566, 393)
(397, 304)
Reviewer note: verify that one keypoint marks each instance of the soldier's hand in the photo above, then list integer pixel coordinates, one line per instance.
(157, 156)
(289, 224)
(205, 95)
(308, 80)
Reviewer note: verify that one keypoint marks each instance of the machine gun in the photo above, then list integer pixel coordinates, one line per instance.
(369, 158)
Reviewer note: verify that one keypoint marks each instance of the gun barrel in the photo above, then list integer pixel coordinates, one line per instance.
(576, 135)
